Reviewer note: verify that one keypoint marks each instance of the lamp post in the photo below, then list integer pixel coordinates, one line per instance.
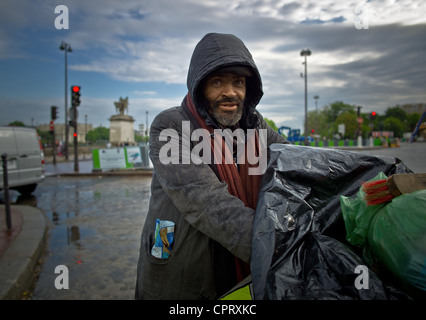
(147, 124)
(66, 47)
(305, 53)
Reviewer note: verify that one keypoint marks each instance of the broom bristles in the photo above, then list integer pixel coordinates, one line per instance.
(376, 192)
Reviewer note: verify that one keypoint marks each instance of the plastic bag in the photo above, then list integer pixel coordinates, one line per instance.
(357, 215)
(299, 249)
(393, 235)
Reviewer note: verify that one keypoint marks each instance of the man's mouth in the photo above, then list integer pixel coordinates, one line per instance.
(228, 106)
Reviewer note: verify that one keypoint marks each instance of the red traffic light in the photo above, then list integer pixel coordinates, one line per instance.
(75, 135)
(373, 113)
(75, 89)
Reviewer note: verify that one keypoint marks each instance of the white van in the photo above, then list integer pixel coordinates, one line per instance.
(25, 158)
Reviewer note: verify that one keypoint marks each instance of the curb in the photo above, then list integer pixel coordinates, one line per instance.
(18, 262)
(102, 173)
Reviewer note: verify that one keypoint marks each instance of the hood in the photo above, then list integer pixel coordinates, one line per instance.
(215, 51)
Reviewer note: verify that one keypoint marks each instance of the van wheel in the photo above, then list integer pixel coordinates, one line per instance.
(26, 190)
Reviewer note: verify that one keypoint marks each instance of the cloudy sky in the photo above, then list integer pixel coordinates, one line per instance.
(370, 54)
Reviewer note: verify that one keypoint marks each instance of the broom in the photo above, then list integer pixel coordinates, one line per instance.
(385, 190)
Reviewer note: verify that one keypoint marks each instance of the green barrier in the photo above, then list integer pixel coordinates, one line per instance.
(96, 160)
(242, 291)
(117, 158)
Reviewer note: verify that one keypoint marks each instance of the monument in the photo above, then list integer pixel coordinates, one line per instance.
(121, 128)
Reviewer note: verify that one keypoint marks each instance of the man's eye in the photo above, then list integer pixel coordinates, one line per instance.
(216, 82)
(239, 82)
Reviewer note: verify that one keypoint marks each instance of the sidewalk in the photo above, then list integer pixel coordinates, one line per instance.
(20, 249)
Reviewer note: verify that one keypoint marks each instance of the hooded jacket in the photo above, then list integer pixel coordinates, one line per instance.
(211, 226)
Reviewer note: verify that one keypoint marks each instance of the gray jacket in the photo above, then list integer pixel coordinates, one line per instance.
(212, 226)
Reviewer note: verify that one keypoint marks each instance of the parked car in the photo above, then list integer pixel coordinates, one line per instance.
(25, 158)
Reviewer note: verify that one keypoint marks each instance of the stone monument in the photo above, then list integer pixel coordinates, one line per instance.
(121, 128)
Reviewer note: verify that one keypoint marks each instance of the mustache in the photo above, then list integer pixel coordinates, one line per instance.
(235, 100)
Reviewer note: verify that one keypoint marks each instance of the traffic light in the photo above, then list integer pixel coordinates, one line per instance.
(75, 135)
(72, 123)
(53, 112)
(373, 115)
(75, 96)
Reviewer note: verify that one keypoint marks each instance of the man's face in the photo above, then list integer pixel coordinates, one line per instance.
(225, 93)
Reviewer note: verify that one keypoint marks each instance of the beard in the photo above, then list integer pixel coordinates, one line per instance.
(227, 118)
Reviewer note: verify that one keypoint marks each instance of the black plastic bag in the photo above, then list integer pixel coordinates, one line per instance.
(299, 249)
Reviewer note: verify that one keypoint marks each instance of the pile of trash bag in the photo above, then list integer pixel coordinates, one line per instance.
(391, 235)
(299, 246)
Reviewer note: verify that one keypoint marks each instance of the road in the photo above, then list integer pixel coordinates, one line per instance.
(94, 226)
(412, 154)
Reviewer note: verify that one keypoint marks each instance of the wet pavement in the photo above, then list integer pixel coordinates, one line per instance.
(85, 166)
(94, 227)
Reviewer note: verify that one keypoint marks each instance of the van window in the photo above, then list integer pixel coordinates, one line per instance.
(26, 141)
(7, 142)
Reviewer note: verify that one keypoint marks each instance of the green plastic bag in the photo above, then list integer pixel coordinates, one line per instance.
(392, 234)
(357, 215)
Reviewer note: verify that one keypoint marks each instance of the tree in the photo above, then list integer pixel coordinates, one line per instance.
(99, 133)
(16, 124)
(333, 110)
(411, 121)
(324, 121)
(271, 123)
(396, 112)
(395, 125)
(317, 121)
(349, 120)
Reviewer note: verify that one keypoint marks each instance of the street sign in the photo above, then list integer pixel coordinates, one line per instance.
(341, 128)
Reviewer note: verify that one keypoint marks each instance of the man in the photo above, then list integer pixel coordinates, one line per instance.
(211, 202)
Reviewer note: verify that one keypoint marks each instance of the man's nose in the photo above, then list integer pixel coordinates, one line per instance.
(229, 90)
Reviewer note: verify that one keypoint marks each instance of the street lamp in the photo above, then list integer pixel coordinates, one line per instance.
(147, 124)
(66, 47)
(305, 53)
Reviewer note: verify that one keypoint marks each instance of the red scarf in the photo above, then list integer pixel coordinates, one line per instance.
(240, 183)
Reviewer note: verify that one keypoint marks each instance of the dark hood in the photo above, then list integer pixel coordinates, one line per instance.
(215, 51)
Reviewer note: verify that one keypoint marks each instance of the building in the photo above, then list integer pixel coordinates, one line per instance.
(414, 108)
